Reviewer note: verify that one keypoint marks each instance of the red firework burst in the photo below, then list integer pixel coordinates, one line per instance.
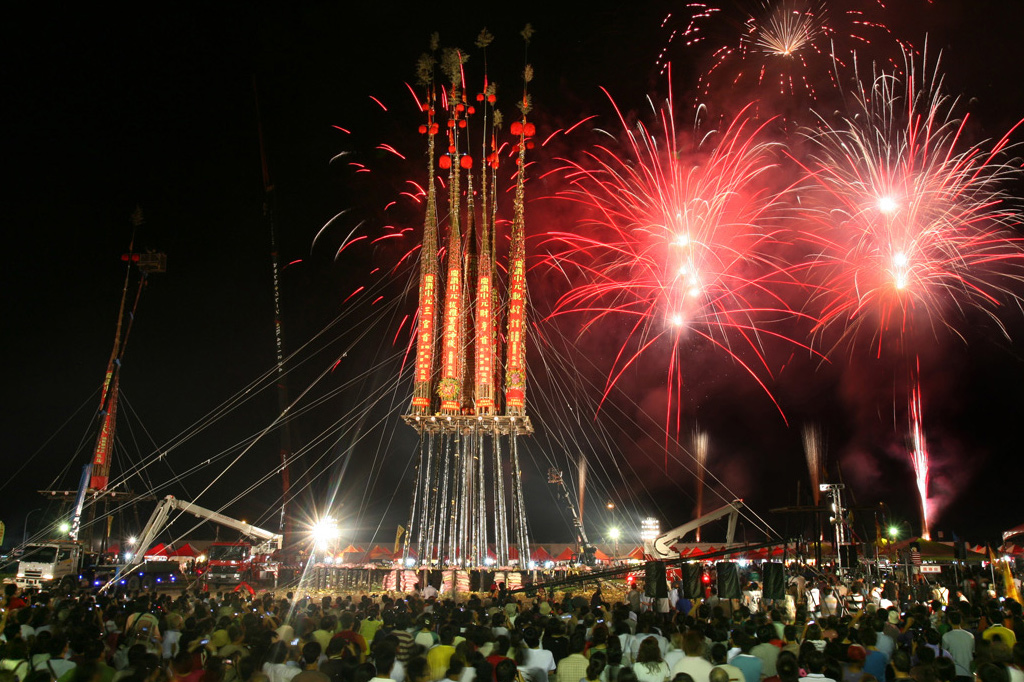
(912, 221)
(787, 47)
(677, 244)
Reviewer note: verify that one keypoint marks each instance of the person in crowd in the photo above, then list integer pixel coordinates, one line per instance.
(650, 666)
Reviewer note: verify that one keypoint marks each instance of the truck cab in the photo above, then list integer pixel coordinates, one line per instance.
(229, 563)
(49, 563)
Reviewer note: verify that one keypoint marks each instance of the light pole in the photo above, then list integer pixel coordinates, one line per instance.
(24, 530)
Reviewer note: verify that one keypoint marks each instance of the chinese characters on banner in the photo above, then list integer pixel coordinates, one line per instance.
(451, 350)
(484, 349)
(515, 376)
(425, 337)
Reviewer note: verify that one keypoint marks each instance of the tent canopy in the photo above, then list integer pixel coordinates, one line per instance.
(539, 554)
(938, 551)
(565, 555)
(159, 550)
(185, 550)
(1007, 534)
(378, 552)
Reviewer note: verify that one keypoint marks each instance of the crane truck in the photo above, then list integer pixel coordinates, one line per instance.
(661, 546)
(229, 562)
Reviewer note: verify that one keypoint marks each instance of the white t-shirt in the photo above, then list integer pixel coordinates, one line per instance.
(540, 658)
(645, 674)
(170, 644)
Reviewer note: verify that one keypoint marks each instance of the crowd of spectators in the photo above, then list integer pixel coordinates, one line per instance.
(424, 637)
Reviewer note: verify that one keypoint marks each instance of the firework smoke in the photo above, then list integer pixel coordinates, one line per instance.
(700, 456)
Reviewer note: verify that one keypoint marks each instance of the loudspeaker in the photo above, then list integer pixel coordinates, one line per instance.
(691, 581)
(654, 580)
(848, 555)
(728, 580)
(774, 581)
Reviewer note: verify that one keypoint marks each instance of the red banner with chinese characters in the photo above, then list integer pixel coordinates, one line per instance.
(425, 337)
(484, 341)
(450, 388)
(101, 453)
(515, 371)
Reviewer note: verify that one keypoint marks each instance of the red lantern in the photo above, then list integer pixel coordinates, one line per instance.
(423, 129)
(424, 107)
(529, 145)
(492, 98)
(530, 130)
(451, 149)
(433, 129)
(471, 110)
(460, 107)
(480, 97)
(462, 123)
(445, 162)
(466, 161)
(516, 128)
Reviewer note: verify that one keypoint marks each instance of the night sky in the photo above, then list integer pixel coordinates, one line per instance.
(108, 111)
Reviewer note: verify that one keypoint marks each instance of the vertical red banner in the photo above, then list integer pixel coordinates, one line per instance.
(425, 336)
(484, 342)
(515, 369)
(450, 388)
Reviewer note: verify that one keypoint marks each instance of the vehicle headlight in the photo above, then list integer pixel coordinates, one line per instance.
(47, 576)
(21, 574)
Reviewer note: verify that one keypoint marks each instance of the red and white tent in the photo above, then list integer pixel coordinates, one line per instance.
(185, 552)
(159, 552)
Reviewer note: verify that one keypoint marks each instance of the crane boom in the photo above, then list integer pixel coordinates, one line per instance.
(158, 520)
(661, 546)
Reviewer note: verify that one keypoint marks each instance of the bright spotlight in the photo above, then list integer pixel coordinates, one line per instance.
(325, 531)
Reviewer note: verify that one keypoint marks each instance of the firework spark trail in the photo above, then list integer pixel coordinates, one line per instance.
(677, 245)
(915, 221)
(789, 46)
(914, 226)
(813, 453)
(919, 458)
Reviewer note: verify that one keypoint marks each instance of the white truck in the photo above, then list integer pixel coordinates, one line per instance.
(49, 563)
